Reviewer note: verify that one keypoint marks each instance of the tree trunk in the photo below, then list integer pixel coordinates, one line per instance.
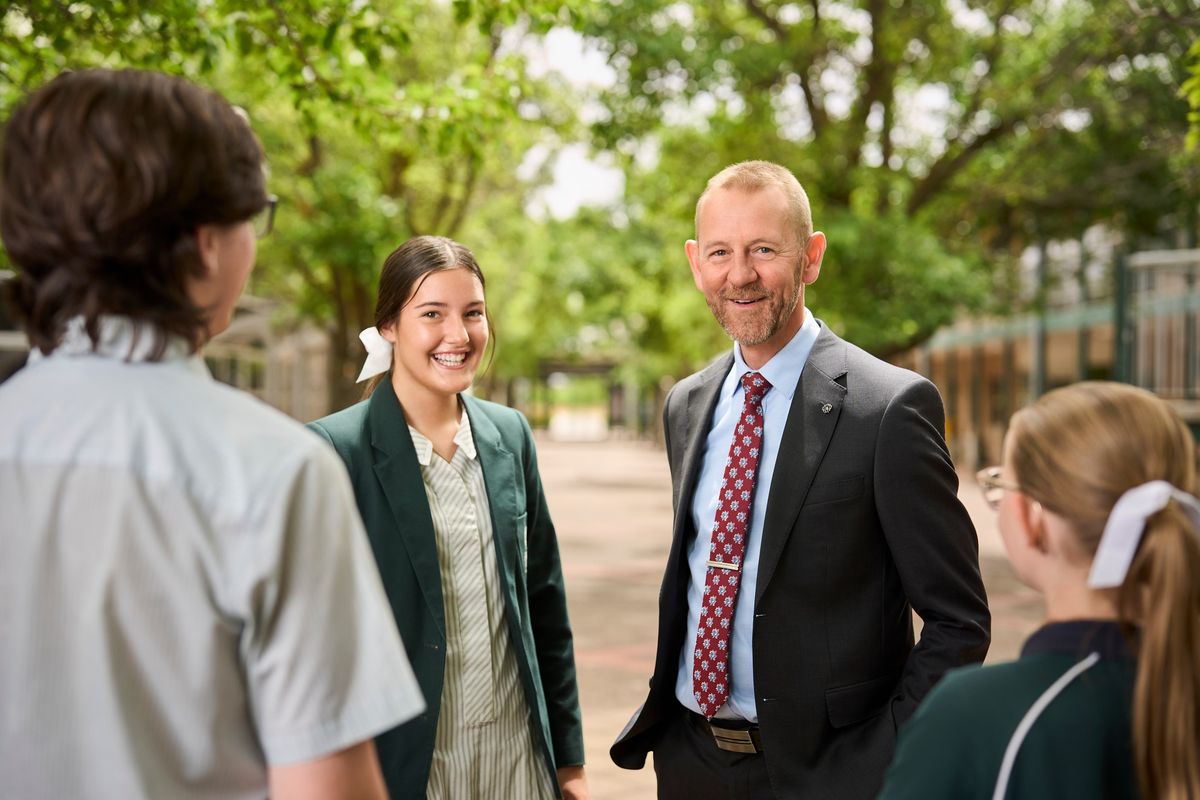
(344, 365)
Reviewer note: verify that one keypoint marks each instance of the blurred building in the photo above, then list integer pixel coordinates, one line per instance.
(284, 364)
(13, 345)
(1144, 332)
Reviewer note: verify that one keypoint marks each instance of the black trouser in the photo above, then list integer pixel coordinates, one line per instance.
(690, 766)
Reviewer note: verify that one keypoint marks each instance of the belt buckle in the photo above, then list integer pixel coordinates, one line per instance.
(735, 741)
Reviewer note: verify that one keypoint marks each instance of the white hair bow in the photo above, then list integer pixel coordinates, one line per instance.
(1125, 526)
(379, 354)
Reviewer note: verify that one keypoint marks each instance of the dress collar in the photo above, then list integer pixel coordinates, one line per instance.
(464, 440)
(1079, 637)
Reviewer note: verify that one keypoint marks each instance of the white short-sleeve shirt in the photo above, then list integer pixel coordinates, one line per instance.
(187, 592)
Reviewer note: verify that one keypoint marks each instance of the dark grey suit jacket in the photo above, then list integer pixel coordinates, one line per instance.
(862, 526)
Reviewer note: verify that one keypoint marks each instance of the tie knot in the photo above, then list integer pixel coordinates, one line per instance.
(755, 385)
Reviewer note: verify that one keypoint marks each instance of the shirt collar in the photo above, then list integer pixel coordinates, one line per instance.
(464, 440)
(120, 339)
(1079, 637)
(783, 370)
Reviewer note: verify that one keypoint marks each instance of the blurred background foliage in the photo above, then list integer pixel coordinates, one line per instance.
(938, 140)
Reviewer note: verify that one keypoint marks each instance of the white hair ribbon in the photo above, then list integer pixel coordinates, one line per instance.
(379, 354)
(1125, 526)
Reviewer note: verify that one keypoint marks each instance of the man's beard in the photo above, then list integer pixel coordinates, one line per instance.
(756, 329)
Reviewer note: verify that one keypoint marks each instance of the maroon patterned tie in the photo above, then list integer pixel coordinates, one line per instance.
(710, 667)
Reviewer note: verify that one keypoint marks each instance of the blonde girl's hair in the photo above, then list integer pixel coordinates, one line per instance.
(1076, 450)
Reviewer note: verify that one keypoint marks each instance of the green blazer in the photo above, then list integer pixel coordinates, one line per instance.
(372, 439)
(1079, 746)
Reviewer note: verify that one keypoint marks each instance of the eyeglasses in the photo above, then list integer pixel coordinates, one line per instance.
(993, 486)
(264, 220)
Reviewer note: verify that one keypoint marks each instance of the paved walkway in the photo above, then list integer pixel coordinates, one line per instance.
(611, 503)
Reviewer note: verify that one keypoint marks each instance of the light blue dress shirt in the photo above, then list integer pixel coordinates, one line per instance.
(783, 373)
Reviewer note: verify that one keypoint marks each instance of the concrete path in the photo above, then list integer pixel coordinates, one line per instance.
(611, 503)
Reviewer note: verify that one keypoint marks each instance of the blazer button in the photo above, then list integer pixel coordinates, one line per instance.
(759, 614)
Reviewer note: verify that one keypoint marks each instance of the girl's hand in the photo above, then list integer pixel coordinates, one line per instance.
(573, 783)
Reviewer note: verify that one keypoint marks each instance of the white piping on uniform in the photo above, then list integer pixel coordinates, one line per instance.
(1014, 744)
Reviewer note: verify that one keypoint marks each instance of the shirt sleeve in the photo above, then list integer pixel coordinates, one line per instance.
(324, 664)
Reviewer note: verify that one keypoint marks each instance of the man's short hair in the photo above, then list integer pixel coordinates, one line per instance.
(751, 176)
(104, 176)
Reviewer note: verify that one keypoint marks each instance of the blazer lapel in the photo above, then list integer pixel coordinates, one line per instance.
(500, 477)
(816, 406)
(701, 400)
(399, 474)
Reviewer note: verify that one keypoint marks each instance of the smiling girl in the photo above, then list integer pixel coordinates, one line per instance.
(449, 489)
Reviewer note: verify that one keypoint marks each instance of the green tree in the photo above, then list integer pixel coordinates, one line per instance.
(381, 120)
(918, 126)
(1191, 90)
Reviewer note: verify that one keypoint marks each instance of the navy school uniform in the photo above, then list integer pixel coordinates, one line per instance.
(1053, 724)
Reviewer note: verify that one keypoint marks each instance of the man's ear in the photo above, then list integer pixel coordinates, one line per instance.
(692, 248)
(206, 246)
(814, 252)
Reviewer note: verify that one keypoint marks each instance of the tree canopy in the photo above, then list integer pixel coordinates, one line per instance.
(937, 139)
(380, 120)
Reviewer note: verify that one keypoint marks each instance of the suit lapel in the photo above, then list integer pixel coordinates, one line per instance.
(500, 476)
(701, 400)
(399, 474)
(816, 406)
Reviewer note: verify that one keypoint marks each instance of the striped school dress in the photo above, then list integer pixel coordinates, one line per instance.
(484, 748)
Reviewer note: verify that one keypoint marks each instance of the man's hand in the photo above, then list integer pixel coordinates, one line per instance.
(573, 783)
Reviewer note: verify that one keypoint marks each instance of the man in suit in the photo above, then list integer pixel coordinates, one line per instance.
(815, 509)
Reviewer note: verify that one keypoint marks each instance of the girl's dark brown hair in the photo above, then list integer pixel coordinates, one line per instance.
(406, 268)
(104, 176)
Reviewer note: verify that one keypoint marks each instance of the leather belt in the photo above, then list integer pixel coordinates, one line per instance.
(732, 735)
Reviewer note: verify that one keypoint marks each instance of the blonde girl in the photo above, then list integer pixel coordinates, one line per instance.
(1097, 513)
